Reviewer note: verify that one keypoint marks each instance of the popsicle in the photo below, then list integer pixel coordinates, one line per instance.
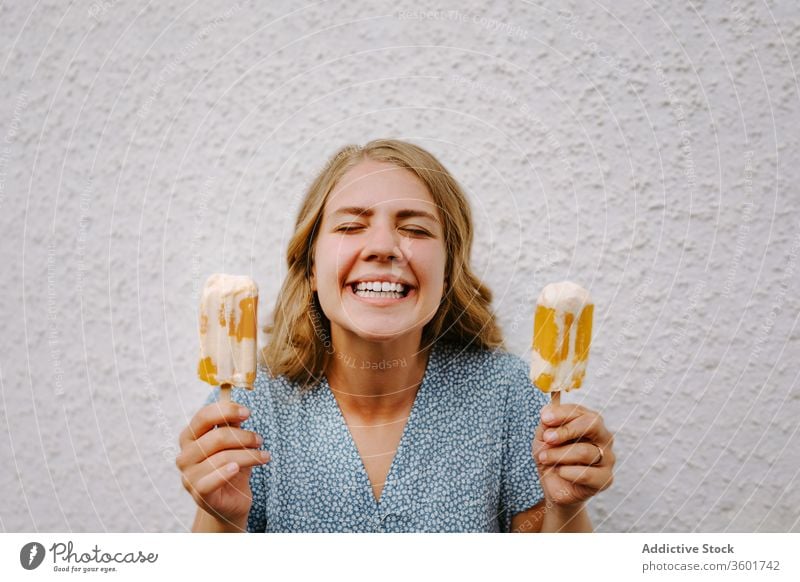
(228, 326)
(562, 334)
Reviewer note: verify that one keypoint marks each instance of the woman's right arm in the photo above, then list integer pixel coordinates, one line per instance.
(215, 461)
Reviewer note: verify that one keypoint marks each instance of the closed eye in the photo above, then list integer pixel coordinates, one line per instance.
(417, 231)
(354, 227)
(349, 227)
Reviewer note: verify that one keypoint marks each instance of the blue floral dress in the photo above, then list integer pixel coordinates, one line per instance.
(463, 464)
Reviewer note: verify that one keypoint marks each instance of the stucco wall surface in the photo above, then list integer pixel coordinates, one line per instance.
(646, 150)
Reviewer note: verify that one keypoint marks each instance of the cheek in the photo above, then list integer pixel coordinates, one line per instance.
(433, 257)
(430, 262)
(335, 257)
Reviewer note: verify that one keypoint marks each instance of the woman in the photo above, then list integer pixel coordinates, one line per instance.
(387, 402)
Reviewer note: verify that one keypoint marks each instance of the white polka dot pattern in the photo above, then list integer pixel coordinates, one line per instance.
(463, 464)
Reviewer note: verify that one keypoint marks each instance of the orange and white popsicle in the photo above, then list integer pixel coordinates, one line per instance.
(562, 335)
(228, 327)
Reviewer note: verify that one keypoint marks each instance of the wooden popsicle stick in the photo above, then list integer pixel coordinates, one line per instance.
(555, 398)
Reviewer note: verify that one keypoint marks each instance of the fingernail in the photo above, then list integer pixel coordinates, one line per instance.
(542, 457)
(265, 455)
(231, 468)
(243, 412)
(259, 440)
(550, 435)
(547, 416)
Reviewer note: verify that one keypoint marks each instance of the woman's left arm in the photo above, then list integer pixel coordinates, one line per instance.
(574, 454)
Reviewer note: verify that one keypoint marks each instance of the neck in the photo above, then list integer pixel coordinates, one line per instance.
(375, 380)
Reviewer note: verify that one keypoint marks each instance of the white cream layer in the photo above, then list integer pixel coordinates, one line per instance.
(566, 296)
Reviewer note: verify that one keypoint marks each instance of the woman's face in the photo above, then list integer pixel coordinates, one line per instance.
(379, 225)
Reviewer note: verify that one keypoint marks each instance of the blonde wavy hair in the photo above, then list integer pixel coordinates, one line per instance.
(299, 337)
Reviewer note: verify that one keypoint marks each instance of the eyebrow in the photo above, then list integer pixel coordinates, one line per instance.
(405, 213)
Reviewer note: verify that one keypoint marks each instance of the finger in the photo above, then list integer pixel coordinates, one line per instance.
(539, 434)
(572, 454)
(217, 478)
(598, 478)
(538, 442)
(556, 415)
(608, 457)
(588, 426)
(216, 440)
(223, 467)
(242, 457)
(216, 413)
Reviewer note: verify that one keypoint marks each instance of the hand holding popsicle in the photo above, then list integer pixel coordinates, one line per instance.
(572, 446)
(216, 463)
(573, 453)
(217, 455)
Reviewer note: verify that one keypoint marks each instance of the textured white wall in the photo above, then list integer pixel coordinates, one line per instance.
(647, 150)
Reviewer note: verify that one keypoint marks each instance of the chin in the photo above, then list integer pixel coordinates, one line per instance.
(380, 336)
(392, 331)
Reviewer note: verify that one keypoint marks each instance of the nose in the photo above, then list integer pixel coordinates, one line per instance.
(383, 244)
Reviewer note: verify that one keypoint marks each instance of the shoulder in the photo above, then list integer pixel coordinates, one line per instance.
(491, 379)
(496, 367)
(278, 393)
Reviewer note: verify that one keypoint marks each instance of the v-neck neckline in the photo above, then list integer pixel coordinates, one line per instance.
(355, 455)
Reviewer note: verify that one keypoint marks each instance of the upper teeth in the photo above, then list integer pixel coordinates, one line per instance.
(380, 286)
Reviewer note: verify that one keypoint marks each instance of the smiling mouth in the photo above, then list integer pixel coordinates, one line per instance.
(380, 295)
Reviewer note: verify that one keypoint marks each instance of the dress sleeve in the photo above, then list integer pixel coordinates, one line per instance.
(520, 487)
(257, 518)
